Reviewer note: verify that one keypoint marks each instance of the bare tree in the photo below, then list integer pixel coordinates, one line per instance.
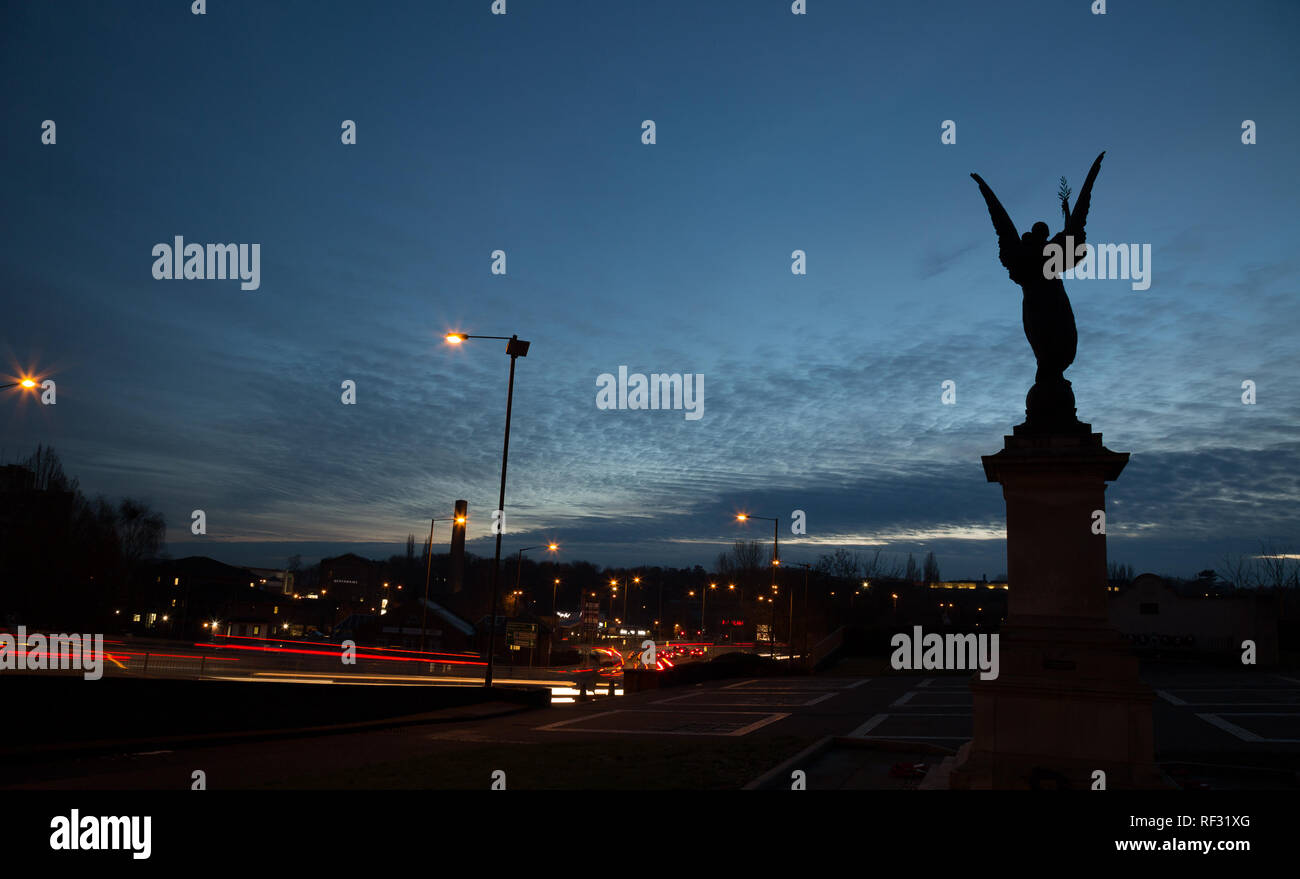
(880, 567)
(140, 532)
(1273, 569)
(840, 563)
(931, 572)
(1238, 570)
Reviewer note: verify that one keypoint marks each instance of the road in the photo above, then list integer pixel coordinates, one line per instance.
(1244, 719)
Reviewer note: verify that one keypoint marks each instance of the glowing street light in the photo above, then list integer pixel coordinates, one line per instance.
(428, 569)
(776, 563)
(520, 563)
(516, 348)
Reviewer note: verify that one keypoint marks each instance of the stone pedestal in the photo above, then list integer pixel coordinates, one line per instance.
(1068, 700)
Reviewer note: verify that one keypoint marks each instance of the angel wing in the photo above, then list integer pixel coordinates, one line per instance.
(1079, 216)
(1008, 238)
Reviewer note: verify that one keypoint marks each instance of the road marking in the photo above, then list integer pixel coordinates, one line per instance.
(576, 719)
(861, 732)
(925, 683)
(1231, 702)
(1285, 678)
(764, 720)
(903, 699)
(1245, 734)
(786, 685)
(706, 694)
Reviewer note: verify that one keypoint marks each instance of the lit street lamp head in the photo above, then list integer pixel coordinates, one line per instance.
(26, 383)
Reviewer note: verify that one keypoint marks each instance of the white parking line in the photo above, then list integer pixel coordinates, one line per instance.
(903, 699)
(764, 720)
(1170, 697)
(786, 685)
(813, 701)
(861, 732)
(1244, 734)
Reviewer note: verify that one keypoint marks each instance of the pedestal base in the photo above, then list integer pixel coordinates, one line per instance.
(1067, 702)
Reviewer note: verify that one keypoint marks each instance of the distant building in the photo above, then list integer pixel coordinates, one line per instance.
(1153, 616)
(279, 582)
(353, 582)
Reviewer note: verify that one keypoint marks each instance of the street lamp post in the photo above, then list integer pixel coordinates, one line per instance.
(519, 564)
(555, 623)
(776, 563)
(613, 583)
(803, 652)
(516, 348)
(704, 603)
(774, 618)
(428, 569)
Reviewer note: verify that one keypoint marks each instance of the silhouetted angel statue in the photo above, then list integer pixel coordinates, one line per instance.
(1046, 312)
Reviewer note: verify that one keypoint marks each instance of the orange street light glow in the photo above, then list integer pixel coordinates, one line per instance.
(552, 546)
(742, 517)
(27, 383)
(455, 338)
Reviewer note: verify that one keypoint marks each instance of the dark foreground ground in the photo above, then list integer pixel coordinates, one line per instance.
(1214, 728)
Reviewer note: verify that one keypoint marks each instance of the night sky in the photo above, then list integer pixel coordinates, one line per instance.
(522, 133)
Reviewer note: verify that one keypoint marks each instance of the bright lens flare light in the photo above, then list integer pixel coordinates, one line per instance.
(455, 338)
(28, 383)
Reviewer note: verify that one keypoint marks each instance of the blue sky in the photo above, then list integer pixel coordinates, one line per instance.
(522, 132)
